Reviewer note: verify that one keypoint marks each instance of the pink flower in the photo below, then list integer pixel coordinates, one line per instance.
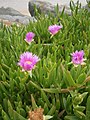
(77, 57)
(29, 37)
(28, 61)
(54, 29)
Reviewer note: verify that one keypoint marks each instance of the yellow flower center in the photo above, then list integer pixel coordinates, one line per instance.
(28, 62)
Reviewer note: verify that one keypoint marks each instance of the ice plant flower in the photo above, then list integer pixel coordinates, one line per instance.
(54, 29)
(29, 37)
(28, 61)
(78, 58)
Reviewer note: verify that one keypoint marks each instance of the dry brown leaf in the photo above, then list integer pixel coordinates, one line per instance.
(37, 114)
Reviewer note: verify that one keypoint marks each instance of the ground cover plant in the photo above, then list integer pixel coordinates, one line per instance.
(46, 64)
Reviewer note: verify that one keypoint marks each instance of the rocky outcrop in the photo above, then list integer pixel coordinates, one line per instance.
(44, 7)
(14, 16)
(20, 19)
(9, 11)
(87, 7)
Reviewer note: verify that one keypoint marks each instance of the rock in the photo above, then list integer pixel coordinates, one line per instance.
(9, 11)
(45, 7)
(20, 19)
(88, 1)
(87, 7)
(14, 16)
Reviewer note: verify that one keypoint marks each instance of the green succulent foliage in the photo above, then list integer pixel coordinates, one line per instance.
(61, 89)
(13, 115)
(88, 109)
